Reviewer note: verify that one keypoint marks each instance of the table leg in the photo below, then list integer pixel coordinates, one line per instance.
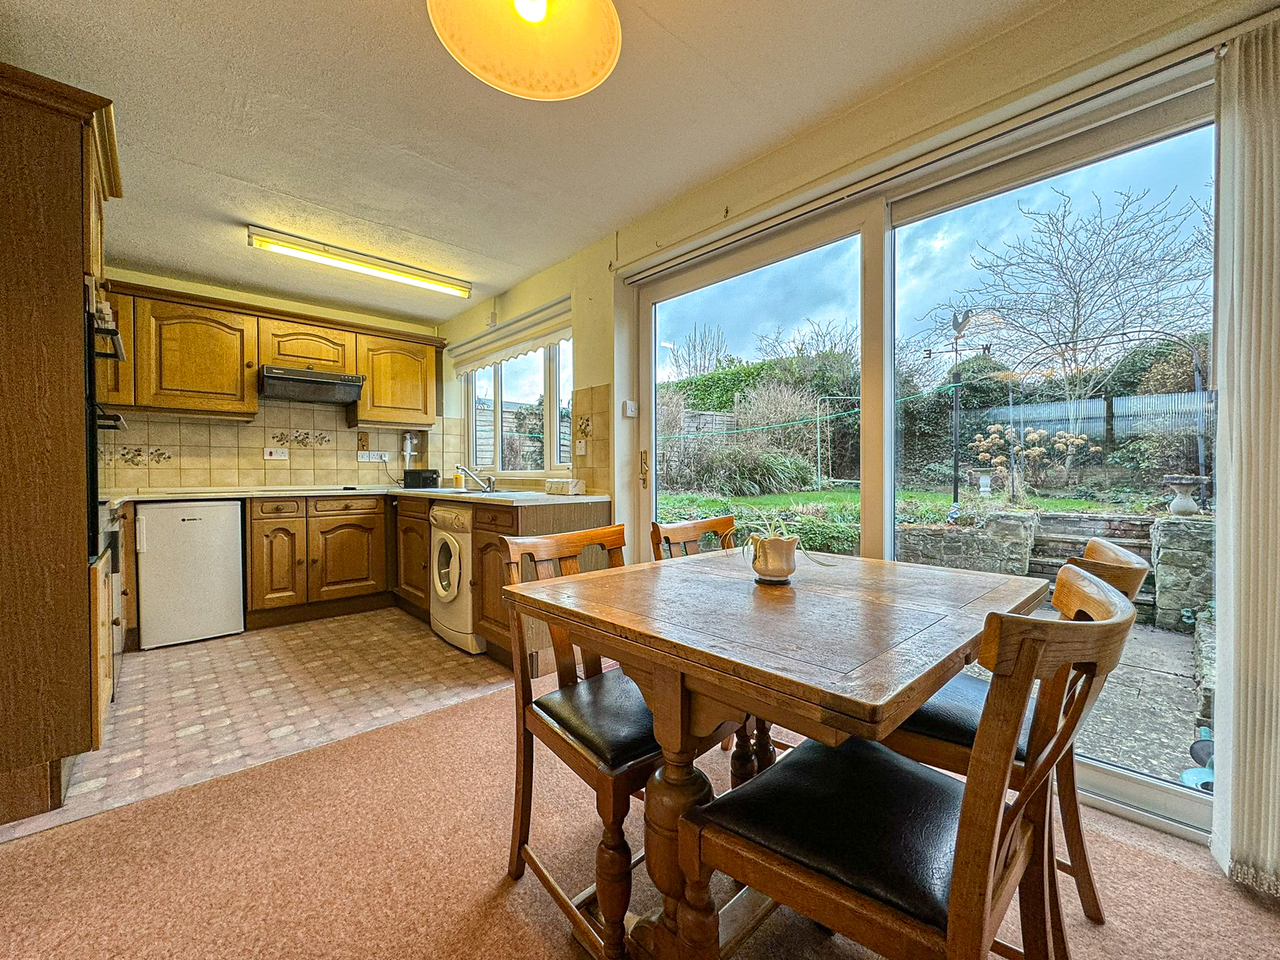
(674, 787)
(742, 762)
(765, 752)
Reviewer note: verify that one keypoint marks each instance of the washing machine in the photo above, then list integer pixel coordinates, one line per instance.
(451, 615)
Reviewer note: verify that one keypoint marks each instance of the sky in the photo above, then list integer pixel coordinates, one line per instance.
(933, 256)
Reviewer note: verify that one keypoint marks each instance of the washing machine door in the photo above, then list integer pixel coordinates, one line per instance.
(447, 569)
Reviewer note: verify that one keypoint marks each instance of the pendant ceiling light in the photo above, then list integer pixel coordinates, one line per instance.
(535, 49)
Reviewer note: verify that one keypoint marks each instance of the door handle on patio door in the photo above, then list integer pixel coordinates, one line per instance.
(644, 469)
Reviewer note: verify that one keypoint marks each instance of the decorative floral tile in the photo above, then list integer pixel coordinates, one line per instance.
(140, 457)
(301, 438)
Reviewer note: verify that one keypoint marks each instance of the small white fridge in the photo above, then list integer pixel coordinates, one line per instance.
(190, 571)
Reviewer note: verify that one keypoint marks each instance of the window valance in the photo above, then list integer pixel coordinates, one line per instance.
(548, 324)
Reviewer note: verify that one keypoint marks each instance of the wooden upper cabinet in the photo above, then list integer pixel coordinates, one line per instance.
(95, 264)
(303, 346)
(277, 563)
(114, 378)
(101, 167)
(195, 358)
(400, 383)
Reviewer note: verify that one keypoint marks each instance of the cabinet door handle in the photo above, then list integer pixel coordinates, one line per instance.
(301, 561)
(248, 364)
(315, 559)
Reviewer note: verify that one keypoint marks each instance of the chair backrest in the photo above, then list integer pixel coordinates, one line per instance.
(686, 537)
(556, 555)
(1071, 657)
(1113, 564)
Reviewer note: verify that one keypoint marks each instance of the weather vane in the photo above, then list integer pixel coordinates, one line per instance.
(959, 322)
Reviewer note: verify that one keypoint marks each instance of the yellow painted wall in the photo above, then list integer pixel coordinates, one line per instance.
(1062, 49)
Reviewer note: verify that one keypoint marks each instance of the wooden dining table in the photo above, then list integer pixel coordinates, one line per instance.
(850, 648)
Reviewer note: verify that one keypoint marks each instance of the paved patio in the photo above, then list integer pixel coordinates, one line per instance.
(1145, 718)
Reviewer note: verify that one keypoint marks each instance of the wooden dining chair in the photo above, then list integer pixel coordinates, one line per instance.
(905, 859)
(598, 724)
(942, 732)
(680, 540)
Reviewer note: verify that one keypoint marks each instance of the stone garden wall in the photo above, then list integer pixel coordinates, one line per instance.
(1001, 545)
(1205, 651)
(1181, 550)
(1182, 554)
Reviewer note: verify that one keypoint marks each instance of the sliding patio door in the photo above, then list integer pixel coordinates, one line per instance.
(751, 379)
(981, 363)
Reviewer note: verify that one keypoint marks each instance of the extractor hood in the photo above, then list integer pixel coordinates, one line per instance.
(310, 386)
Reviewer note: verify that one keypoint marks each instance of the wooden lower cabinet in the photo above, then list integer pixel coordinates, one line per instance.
(277, 563)
(346, 556)
(488, 609)
(413, 560)
(491, 523)
(297, 559)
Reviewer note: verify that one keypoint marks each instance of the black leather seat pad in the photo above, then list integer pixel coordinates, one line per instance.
(860, 814)
(952, 714)
(607, 714)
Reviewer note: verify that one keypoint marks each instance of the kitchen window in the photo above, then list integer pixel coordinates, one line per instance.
(521, 411)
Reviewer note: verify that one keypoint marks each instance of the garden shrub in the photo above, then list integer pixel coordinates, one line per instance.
(825, 536)
(737, 472)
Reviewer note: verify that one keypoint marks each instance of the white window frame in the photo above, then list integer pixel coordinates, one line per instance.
(552, 467)
(1125, 119)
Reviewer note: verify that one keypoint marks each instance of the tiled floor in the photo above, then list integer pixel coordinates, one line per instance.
(189, 713)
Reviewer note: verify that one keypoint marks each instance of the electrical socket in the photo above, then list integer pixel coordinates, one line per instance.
(373, 456)
(275, 453)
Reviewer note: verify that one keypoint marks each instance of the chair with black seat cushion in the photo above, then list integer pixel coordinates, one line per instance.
(902, 858)
(598, 724)
(941, 733)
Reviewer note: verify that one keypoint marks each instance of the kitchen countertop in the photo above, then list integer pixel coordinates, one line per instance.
(506, 498)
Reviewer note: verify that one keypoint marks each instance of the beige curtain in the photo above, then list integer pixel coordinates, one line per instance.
(1246, 837)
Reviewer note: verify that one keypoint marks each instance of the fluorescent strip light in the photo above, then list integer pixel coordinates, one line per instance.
(356, 262)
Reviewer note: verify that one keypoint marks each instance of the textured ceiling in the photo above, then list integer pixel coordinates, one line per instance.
(348, 123)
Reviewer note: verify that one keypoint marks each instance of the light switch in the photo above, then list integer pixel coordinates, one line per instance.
(580, 448)
(275, 453)
(630, 408)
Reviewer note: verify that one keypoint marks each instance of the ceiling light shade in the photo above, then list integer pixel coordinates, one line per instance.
(535, 49)
(363, 263)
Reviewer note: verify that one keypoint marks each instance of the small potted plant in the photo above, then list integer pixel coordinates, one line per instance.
(773, 551)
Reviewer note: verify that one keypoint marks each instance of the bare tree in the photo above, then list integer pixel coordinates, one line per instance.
(812, 340)
(701, 351)
(1069, 297)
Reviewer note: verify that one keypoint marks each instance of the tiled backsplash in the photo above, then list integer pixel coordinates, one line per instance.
(167, 450)
(592, 416)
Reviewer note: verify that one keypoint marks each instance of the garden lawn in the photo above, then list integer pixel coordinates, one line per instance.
(849, 500)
